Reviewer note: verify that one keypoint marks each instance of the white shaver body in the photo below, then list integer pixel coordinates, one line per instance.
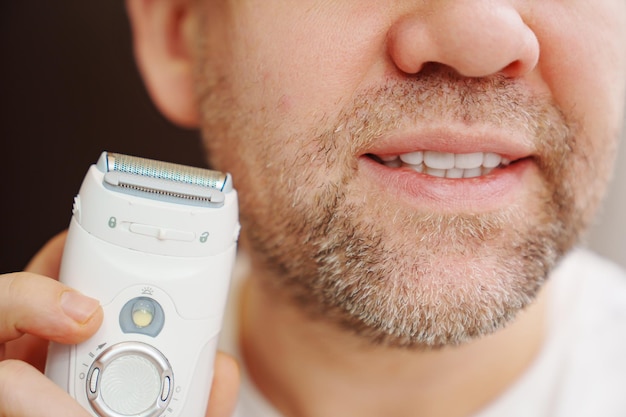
(160, 266)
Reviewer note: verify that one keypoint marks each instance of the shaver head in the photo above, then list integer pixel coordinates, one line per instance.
(164, 180)
(158, 207)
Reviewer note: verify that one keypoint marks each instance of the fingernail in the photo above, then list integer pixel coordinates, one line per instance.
(77, 306)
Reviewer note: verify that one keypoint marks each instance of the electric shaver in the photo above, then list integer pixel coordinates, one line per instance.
(155, 242)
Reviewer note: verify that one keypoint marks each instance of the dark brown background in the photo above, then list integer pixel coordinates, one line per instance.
(69, 89)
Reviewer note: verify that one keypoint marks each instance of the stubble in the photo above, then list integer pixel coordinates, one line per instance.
(394, 274)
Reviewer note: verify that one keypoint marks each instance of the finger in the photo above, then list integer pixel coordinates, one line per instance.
(225, 387)
(43, 307)
(48, 260)
(28, 347)
(25, 392)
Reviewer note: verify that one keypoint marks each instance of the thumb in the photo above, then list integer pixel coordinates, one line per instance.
(225, 387)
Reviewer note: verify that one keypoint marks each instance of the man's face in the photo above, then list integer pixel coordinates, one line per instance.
(312, 105)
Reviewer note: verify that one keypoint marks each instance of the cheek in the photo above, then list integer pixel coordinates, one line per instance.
(287, 80)
(583, 68)
(310, 59)
(583, 61)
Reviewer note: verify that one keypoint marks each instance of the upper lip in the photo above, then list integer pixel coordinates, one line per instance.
(510, 145)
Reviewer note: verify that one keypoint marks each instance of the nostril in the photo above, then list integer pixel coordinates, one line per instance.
(528, 56)
(513, 69)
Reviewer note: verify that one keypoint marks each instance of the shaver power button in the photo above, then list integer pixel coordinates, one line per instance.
(129, 379)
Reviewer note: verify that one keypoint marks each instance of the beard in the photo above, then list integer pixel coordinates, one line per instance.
(391, 273)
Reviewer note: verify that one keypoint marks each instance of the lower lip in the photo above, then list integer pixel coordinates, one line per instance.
(501, 187)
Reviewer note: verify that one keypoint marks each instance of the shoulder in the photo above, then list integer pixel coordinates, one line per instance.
(593, 281)
(589, 295)
(593, 306)
(585, 261)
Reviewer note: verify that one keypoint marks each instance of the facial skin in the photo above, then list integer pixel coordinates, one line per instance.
(297, 98)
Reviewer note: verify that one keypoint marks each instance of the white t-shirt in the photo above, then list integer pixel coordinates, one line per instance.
(581, 370)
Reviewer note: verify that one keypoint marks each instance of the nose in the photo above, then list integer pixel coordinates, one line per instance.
(476, 38)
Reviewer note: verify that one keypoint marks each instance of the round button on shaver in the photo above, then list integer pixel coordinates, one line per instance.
(142, 312)
(129, 379)
(142, 315)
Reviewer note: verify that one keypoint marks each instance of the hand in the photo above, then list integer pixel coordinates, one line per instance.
(35, 309)
(225, 386)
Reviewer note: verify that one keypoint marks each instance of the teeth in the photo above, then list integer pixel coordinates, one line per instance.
(390, 158)
(455, 173)
(468, 160)
(447, 165)
(474, 172)
(491, 160)
(413, 158)
(439, 160)
(435, 172)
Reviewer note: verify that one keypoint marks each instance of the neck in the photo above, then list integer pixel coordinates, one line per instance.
(309, 368)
